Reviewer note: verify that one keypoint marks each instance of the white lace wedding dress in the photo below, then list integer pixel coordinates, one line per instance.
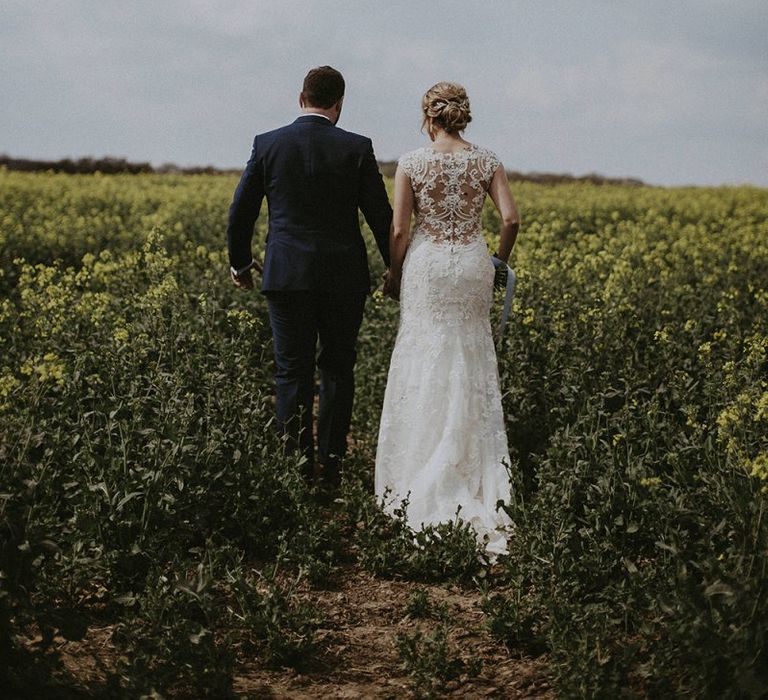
(442, 435)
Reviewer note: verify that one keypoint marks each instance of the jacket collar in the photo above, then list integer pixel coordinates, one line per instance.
(315, 118)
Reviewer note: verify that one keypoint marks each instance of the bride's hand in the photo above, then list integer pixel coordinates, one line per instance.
(391, 286)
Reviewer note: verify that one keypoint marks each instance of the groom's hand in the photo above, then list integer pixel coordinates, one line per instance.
(244, 280)
(391, 286)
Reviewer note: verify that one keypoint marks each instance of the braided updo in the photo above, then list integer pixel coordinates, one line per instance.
(447, 105)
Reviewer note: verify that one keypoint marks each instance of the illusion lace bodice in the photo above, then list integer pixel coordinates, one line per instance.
(449, 190)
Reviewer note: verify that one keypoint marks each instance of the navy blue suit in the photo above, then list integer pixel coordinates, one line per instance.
(315, 177)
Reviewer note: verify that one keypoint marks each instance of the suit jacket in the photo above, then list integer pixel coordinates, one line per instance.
(315, 177)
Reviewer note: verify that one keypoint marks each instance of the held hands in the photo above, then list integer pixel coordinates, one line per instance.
(391, 286)
(243, 280)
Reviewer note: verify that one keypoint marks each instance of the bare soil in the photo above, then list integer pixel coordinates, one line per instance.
(358, 655)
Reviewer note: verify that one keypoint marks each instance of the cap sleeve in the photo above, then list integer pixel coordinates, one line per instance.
(488, 165)
(407, 163)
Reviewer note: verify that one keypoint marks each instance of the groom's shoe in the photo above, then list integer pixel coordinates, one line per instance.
(328, 485)
(330, 474)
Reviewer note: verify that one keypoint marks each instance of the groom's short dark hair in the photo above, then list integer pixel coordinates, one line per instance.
(323, 87)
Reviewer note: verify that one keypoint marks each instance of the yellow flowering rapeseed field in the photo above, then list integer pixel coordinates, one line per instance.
(141, 484)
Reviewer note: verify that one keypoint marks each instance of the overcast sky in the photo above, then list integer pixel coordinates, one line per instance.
(670, 91)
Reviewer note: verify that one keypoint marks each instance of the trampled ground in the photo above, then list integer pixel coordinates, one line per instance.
(359, 657)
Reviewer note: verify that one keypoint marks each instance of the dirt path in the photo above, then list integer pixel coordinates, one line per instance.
(359, 657)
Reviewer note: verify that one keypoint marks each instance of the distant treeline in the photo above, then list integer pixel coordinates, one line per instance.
(110, 166)
(106, 165)
(388, 170)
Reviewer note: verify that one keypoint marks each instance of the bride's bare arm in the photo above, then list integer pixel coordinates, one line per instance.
(505, 203)
(401, 226)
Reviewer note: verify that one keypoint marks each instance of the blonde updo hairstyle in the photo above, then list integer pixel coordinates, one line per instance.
(447, 105)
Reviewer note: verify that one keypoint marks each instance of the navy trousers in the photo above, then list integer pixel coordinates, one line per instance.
(300, 319)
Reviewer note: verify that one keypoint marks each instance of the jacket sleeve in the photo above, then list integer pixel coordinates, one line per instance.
(244, 211)
(374, 202)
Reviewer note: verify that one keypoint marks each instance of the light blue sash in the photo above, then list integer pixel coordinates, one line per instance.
(508, 294)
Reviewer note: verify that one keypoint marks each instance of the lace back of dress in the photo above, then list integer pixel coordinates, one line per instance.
(449, 190)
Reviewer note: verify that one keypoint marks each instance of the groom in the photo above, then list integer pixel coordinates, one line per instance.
(315, 177)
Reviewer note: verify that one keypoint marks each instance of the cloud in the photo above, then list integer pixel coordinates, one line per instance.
(667, 92)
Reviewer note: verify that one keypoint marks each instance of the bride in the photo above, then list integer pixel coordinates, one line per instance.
(442, 437)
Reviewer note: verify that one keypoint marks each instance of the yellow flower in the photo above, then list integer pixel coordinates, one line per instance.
(529, 316)
(243, 320)
(121, 335)
(761, 408)
(46, 368)
(759, 469)
(7, 384)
